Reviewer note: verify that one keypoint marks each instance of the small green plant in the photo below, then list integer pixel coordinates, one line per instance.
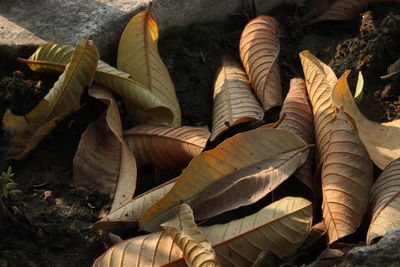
(8, 186)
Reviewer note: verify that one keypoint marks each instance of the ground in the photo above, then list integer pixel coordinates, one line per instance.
(53, 216)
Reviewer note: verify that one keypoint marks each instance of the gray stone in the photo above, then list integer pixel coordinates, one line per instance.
(384, 253)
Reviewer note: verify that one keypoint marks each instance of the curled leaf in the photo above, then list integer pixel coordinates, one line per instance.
(346, 180)
(320, 80)
(234, 101)
(64, 98)
(393, 71)
(246, 155)
(103, 161)
(138, 55)
(385, 202)
(380, 139)
(164, 146)
(259, 50)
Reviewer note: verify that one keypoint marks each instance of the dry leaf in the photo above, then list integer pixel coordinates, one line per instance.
(144, 104)
(166, 147)
(320, 80)
(280, 227)
(138, 55)
(259, 50)
(393, 71)
(197, 250)
(316, 233)
(299, 120)
(242, 156)
(64, 98)
(103, 161)
(347, 178)
(234, 101)
(385, 202)
(380, 139)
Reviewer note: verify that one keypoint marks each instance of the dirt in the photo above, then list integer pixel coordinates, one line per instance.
(53, 216)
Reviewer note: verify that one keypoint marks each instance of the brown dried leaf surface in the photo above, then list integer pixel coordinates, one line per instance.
(298, 119)
(259, 50)
(385, 202)
(103, 161)
(320, 80)
(347, 178)
(234, 101)
(165, 146)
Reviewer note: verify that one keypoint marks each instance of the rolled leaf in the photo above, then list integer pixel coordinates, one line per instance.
(166, 147)
(320, 80)
(138, 55)
(64, 98)
(381, 139)
(244, 155)
(103, 161)
(259, 50)
(234, 101)
(385, 202)
(280, 227)
(142, 104)
(347, 178)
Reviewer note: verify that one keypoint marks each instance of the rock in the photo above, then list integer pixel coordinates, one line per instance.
(25, 24)
(384, 253)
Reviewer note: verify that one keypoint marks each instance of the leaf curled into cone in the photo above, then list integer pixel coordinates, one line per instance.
(64, 98)
(103, 161)
(259, 50)
(385, 202)
(234, 101)
(380, 139)
(165, 146)
(347, 178)
(240, 156)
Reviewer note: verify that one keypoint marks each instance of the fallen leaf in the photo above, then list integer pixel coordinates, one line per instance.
(259, 50)
(393, 71)
(234, 101)
(347, 178)
(359, 93)
(385, 202)
(320, 80)
(196, 249)
(138, 55)
(280, 227)
(142, 103)
(64, 98)
(299, 120)
(248, 155)
(166, 147)
(380, 139)
(317, 232)
(103, 161)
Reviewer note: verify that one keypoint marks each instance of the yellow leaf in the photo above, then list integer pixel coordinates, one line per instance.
(64, 98)
(380, 139)
(385, 202)
(259, 49)
(242, 156)
(138, 55)
(347, 178)
(234, 101)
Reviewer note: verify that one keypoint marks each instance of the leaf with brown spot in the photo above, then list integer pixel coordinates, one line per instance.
(234, 101)
(166, 147)
(347, 178)
(385, 202)
(259, 50)
(103, 161)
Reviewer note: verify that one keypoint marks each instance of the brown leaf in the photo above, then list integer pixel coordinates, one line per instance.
(317, 232)
(299, 120)
(166, 147)
(103, 161)
(346, 180)
(259, 50)
(320, 80)
(393, 71)
(234, 101)
(385, 202)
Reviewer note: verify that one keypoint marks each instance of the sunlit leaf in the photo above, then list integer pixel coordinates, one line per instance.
(359, 93)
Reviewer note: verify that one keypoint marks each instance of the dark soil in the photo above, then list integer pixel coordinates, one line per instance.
(53, 230)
